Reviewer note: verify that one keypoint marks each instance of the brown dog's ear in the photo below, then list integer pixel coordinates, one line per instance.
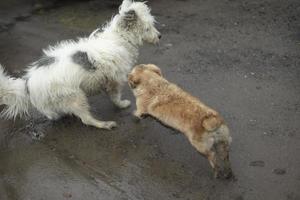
(154, 68)
(133, 81)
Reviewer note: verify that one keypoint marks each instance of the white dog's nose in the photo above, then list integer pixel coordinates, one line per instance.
(159, 36)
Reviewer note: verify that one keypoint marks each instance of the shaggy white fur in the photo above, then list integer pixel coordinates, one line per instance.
(59, 82)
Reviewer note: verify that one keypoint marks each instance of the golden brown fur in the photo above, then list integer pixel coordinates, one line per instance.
(203, 126)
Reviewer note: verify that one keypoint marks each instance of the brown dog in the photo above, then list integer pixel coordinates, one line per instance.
(204, 127)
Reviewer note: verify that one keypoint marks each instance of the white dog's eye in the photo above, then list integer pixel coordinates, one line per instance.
(147, 29)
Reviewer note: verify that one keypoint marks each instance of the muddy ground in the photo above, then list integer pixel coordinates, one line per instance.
(240, 57)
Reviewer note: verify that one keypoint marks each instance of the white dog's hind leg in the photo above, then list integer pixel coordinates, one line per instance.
(80, 108)
(51, 115)
(115, 93)
(89, 120)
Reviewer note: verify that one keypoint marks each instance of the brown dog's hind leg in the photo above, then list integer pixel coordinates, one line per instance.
(203, 147)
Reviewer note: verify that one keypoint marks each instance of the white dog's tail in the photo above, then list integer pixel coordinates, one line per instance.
(14, 95)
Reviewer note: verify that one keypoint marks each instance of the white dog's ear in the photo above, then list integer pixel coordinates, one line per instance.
(125, 4)
(130, 16)
(129, 19)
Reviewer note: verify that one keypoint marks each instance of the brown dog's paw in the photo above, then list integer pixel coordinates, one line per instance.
(136, 119)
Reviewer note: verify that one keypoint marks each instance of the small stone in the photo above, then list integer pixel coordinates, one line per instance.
(257, 163)
(22, 17)
(37, 6)
(176, 195)
(279, 171)
(239, 197)
(67, 195)
(6, 24)
(35, 135)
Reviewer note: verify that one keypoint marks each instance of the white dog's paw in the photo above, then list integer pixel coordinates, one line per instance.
(124, 104)
(109, 125)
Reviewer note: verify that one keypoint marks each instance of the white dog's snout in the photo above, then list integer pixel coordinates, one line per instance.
(159, 36)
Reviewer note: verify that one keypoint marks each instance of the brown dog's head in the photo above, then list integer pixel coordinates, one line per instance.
(219, 159)
(142, 72)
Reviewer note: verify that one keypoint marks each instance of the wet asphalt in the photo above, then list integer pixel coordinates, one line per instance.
(240, 57)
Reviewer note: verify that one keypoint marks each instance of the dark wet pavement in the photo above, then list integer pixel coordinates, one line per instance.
(240, 57)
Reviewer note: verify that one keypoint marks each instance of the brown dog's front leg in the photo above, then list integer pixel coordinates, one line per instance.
(140, 112)
(139, 115)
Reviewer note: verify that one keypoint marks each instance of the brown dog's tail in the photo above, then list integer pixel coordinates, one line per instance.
(211, 122)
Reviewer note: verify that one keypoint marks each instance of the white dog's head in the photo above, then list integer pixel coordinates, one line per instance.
(135, 17)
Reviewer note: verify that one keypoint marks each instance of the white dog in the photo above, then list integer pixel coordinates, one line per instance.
(60, 81)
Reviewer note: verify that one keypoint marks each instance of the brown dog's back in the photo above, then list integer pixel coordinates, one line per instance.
(180, 110)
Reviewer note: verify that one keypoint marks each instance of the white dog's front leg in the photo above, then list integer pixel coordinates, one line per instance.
(115, 96)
